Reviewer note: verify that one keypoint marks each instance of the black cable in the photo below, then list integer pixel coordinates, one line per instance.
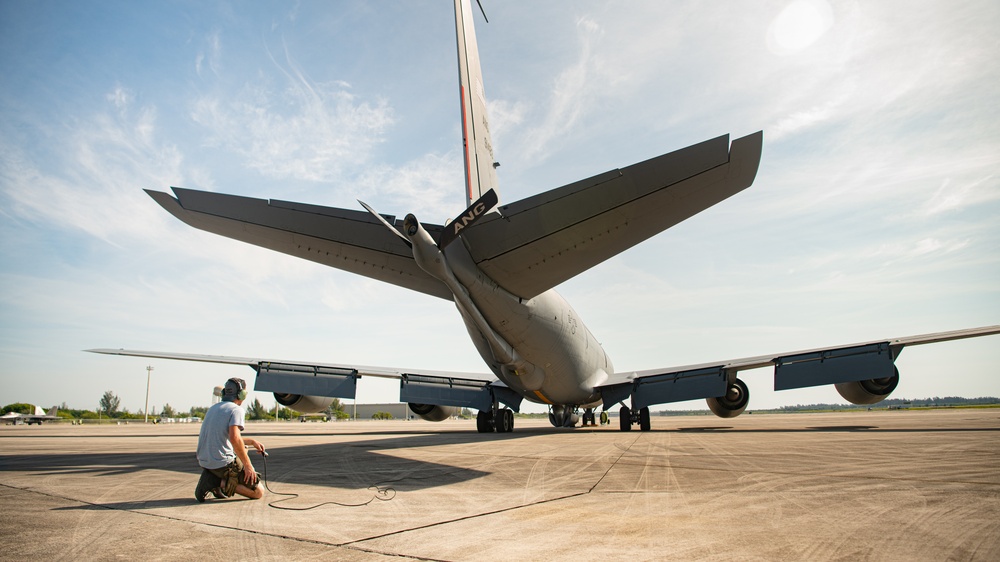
(382, 493)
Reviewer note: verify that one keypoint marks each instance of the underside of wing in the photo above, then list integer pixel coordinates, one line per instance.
(308, 386)
(350, 240)
(834, 365)
(544, 240)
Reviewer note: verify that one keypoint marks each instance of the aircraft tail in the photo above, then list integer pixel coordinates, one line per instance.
(39, 411)
(480, 166)
(53, 412)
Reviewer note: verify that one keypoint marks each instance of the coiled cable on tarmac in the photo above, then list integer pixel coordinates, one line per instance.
(381, 493)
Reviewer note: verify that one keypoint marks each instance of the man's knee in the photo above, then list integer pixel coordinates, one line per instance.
(252, 493)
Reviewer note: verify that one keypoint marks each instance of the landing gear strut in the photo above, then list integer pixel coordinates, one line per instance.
(589, 418)
(627, 417)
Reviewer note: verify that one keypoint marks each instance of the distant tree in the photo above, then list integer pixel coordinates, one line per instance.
(20, 408)
(287, 413)
(110, 404)
(168, 411)
(336, 410)
(198, 412)
(335, 406)
(256, 411)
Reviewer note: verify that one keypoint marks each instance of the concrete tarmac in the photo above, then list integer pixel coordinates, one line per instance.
(899, 485)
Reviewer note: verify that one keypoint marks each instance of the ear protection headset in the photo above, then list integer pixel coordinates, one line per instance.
(238, 388)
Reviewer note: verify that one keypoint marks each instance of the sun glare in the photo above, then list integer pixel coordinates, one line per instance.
(799, 25)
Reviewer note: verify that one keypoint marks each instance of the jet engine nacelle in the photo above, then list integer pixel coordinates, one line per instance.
(733, 403)
(304, 404)
(871, 391)
(430, 412)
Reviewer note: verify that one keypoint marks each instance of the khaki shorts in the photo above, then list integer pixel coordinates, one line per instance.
(232, 475)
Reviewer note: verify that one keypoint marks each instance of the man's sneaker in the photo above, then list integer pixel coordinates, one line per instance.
(200, 493)
(218, 493)
(206, 483)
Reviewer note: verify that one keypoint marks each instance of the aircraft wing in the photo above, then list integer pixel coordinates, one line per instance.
(350, 240)
(256, 362)
(794, 369)
(339, 380)
(541, 241)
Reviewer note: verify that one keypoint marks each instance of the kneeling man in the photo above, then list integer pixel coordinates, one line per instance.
(222, 449)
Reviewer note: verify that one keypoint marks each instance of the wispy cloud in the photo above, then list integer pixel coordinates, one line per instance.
(569, 94)
(429, 186)
(293, 128)
(90, 179)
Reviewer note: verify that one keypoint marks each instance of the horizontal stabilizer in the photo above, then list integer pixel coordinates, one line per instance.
(544, 240)
(346, 239)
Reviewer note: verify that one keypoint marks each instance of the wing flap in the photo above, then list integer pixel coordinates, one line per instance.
(544, 240)
(341, 238)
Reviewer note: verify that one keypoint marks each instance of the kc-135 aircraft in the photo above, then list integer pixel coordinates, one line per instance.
(499, 263)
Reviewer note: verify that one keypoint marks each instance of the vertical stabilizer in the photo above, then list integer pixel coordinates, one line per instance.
(480, 172)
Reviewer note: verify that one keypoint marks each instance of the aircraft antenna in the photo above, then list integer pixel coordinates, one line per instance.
(483, 11)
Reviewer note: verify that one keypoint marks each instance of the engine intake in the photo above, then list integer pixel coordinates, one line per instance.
(733, 403)
(433, 413)
(304, 404)
(871, 391)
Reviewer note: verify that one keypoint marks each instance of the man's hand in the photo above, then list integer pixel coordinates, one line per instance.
(249, 474)
(255, 444)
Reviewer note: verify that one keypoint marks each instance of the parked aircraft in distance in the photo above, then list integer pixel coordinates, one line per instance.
(14, 418)
(499, 263)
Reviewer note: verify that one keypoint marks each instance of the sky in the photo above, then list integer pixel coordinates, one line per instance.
(875, 212)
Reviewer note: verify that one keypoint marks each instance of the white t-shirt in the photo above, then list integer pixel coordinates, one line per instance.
(214, 448)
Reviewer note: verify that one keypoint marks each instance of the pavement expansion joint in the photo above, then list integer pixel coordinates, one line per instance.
(215, 525)
(624, 450)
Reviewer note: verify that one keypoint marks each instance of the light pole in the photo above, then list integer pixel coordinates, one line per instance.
(146, 411)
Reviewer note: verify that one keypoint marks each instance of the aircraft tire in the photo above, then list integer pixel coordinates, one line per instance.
(505, 422)
(484, 422)
(644, 424)
(625, 419)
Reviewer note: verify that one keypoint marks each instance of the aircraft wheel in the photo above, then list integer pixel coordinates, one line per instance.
(625, 418)
(484, 422)
(644, 419)
(504, 422)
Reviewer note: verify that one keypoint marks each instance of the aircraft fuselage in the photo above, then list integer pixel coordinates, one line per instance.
(538, 347)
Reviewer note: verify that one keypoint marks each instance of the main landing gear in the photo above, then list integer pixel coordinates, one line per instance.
(496, 419)
(627, 417)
